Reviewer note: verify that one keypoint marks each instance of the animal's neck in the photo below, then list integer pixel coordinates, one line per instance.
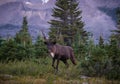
(53, 52)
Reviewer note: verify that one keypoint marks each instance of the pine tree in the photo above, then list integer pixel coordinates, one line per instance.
(23, 37)
(40, 49)
(117, 31)
(67, 22)
(114, 50)
(24, 41)
(8, 50)
(114, 58)
(101, 42)
(1, 41)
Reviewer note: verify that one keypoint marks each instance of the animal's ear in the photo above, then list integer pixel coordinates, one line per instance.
(45, 42)
(54, 42)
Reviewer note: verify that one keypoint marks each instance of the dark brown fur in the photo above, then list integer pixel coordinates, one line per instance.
(61, 52)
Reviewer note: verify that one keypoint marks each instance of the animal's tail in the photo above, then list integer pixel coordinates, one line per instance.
(73, 58)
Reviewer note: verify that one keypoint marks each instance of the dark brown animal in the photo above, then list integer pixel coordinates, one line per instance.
(59, 52)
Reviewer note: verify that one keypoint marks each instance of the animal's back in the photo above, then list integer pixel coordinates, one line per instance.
(63, 50)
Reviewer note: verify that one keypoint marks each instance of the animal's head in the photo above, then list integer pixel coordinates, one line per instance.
(50, 45)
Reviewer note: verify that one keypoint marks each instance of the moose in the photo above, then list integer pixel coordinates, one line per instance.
(59, 52)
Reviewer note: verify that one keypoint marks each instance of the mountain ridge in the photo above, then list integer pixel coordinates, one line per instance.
(95, 17)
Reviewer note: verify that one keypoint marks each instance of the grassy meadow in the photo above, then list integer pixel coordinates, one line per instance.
(40, 71)
(24, 57)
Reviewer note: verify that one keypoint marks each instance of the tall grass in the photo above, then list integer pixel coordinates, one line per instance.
(31, 67)
(40, 71)
(37, 67)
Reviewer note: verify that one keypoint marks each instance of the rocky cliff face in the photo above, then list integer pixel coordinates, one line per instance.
(98, 16)
(38, 15)
(12, 12)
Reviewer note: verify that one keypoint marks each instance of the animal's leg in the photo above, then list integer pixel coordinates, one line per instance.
(66, 63)
(53, 61)
(72, 58)
(56, 70)
(57, 64)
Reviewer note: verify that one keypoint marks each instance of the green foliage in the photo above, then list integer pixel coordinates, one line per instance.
(67, 22)
(31, 67)
(67, 28)
(24, 41)
(101, 61)
(101, 42)
(40, 48)
(23, 37)
(35, 71)
(1, 41)
(94, 61)
(117, 31)
(8, 50)
(114, 51)
(114, 57)
(38, 68)
(21, 47)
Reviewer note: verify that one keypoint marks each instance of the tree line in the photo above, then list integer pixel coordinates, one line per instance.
(21, 47)
(67, 28)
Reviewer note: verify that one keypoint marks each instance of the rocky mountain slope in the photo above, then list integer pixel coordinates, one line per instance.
(98, 16)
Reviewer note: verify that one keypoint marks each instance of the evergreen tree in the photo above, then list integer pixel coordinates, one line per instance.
(8, 50)
(114, 51)
(19, 47)
(40, 49)
(23, 37)
(67, 22)
(114, 58)
(24, 40)
(101, 42)
(1, 41)
(117, 31)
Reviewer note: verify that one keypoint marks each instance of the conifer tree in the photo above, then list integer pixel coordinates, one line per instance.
(117, 31)
(1, 41)
(67, 22)
(40, 49)
(8, 50)
(24, 41)
(101, 42)
(23, 37)
(114, 50)
(114, 58)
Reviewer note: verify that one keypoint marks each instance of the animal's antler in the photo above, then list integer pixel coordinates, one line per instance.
(43, 35)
